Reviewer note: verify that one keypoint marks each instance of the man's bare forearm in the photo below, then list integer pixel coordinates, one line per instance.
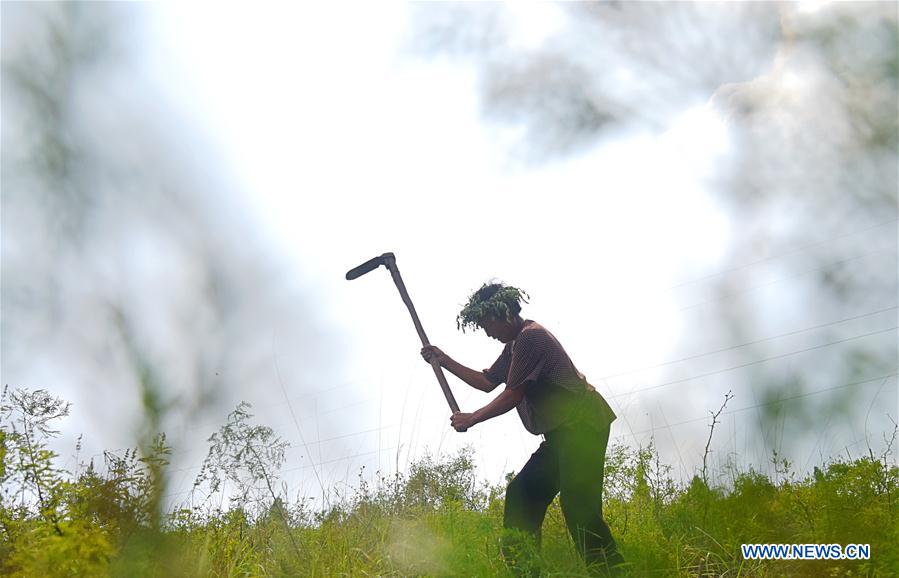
(475, 379)
(502, 403)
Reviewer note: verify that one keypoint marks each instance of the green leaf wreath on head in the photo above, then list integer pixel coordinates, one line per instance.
(492, 300)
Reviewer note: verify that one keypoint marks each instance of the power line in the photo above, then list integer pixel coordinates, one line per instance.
(314, 465)
(754, 342)
(341, 385)
(269, 405)
(303, 467)
(292, 414)
(337, 437)
(780, 400)
(612, 397)
(650, 430)
(780, 256)
(618, 395)
(681, 284)
(372, 430)
(785, 278)
(311, 442)
(352, 382)
(742, 365)
(340, 459)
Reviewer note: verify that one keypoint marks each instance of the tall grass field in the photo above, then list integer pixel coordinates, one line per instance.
(435, 519)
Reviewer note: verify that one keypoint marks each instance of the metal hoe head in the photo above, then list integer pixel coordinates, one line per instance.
(370, 265)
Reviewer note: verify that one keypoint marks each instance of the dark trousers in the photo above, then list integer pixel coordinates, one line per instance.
(570, 463)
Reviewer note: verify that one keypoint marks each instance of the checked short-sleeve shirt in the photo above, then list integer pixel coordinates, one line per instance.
(555, 392)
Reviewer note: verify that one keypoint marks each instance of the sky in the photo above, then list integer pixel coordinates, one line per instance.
(431, 183)
(345, 143)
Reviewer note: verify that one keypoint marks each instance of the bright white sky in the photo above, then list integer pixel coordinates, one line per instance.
(349, 147)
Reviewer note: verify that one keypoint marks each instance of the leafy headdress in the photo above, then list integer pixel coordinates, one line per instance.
(492, 300)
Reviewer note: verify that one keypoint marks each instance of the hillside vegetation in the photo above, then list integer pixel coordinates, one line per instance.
(434, 519)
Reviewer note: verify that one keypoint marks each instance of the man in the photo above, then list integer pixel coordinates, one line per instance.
(553, 399)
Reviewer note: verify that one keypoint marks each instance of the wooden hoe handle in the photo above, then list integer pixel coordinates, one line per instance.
(390, 263)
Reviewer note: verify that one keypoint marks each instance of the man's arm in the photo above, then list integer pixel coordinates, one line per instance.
(502, 403)
(472, 377)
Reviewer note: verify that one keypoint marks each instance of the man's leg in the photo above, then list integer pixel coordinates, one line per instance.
(582, 453)
(527, 497)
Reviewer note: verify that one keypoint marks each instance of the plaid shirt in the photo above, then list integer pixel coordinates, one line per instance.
(555, 392)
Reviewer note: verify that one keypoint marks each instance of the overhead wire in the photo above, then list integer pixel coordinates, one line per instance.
(664, 384)
(755, 263)
(769, 403)
(753, 342)
(651, 430)
(748, 364)
(314, 465)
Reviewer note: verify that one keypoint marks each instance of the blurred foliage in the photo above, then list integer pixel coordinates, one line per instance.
(805, 96)
(809, 98)
(434, 520)
(118, 255)
(128, 257)
(603, 68)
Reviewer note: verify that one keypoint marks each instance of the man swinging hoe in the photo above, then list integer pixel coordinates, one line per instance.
(555, 400)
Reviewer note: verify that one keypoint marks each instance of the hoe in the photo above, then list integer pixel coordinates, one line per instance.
(389, 261)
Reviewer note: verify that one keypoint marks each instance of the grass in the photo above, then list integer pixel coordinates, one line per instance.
(436, 519)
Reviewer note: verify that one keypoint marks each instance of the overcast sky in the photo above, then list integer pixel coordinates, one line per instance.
(371, 150)
(347, 144)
